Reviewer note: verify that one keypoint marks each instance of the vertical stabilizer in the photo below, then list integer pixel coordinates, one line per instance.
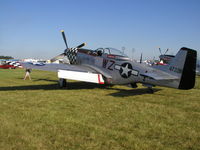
(184, 66)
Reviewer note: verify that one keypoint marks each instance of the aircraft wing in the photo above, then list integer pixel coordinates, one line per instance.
(56, 67)
(72, 72)
(159, 75)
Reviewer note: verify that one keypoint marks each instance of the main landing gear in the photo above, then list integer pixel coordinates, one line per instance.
(133, 85)
(150, 90)
(62, 83)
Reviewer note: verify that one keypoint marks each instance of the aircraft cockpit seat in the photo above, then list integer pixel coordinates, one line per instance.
(99, 52)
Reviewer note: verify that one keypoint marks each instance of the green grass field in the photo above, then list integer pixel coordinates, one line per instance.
(37, 115)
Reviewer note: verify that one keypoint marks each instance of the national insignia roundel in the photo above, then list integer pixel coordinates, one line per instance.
(125, 70)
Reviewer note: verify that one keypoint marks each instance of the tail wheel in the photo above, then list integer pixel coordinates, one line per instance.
(62, 82)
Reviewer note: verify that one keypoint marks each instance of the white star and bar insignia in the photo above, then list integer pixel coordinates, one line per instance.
(126, 70)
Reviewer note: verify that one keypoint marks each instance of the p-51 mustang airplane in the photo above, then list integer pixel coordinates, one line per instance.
(110, 66)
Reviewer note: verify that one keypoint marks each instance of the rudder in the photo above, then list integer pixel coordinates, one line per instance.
(187, 80)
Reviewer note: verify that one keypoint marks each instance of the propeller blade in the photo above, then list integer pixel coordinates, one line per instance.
(160, 51)
(166, 51)
(64, 38)
(61, 56)
(83, 44)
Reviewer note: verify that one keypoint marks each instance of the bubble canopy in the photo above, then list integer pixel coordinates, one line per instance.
(112, 51)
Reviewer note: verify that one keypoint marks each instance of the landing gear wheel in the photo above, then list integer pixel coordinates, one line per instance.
(150, 90)
(133, 85)
(62, 83)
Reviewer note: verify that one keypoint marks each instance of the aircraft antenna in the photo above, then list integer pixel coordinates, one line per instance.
(141, 58)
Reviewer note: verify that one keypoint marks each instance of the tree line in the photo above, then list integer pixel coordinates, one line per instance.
(6, 57)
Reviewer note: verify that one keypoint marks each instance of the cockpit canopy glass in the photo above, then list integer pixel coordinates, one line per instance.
(112, 51)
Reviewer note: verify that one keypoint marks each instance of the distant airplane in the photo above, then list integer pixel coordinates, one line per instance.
(110, 66)
(165, 59)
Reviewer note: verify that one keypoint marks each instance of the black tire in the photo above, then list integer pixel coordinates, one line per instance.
(150, 90)
(133, 85)
(62, 83)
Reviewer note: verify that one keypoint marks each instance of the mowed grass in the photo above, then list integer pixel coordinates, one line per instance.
(37, 115)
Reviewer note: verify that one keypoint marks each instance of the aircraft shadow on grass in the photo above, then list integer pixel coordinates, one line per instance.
(132, 92)
(78, 86)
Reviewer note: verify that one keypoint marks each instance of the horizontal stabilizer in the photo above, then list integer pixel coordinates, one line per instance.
(159, 76)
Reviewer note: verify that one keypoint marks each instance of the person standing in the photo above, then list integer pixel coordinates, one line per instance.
(27, 74)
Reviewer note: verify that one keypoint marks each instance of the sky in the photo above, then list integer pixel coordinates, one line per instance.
(31, 28)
